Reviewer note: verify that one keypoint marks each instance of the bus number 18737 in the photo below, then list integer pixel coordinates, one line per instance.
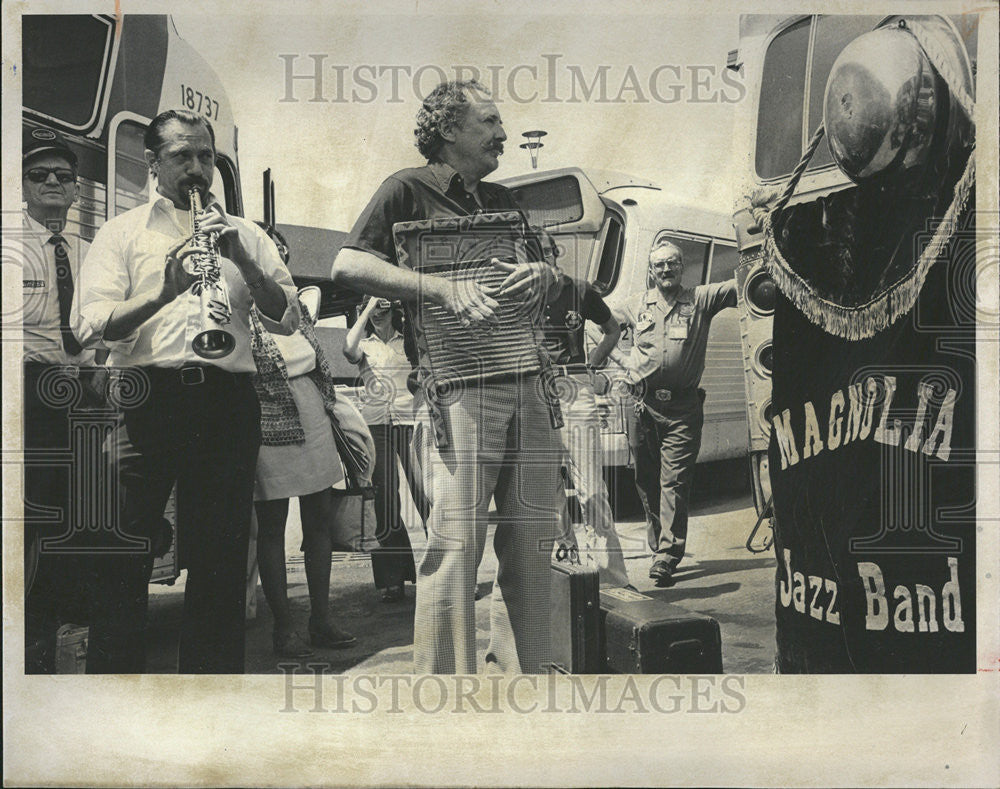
(199, 102)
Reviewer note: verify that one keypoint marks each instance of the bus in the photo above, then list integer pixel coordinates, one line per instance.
(858, 279)
(604, 224)
(99, 80)
(786, 63)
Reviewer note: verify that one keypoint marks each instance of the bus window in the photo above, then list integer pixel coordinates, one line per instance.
(552, 202)
(779, 114)
(66, 62)
(725, 258)
(131, 172)
(833, 33)
(695, 253)
(611, 256)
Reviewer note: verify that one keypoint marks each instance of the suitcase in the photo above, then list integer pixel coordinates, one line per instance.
(576, 620)
(646, 635)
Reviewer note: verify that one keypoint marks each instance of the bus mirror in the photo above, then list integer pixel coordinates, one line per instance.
(310, 296)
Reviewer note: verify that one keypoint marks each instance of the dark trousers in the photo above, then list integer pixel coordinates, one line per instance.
(204, 438)
(665, 439)
(49, 579)
(392, 561)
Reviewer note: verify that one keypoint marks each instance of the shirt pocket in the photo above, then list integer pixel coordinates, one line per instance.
(36, 297)
(678, 329)
(645, 334)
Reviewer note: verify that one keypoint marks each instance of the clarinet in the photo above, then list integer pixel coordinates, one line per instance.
(212, 342)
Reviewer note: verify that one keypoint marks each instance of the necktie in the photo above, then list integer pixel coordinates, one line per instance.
(64, 283)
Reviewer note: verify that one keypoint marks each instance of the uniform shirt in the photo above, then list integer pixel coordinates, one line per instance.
(128, 257)
(564, 321)
(40, 319)
(668, 347)
(384, 370)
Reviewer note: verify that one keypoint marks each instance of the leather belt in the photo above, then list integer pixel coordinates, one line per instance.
(570, 369)
(666, 395)
(192, 374)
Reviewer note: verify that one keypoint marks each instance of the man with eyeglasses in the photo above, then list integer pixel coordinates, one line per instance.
(670, 325)
(50, 255)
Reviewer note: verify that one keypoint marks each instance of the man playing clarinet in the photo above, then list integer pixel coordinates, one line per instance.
(190, 420)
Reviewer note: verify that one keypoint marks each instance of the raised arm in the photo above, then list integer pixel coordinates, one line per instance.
(352, 341)
(257, 270)
(611, 332)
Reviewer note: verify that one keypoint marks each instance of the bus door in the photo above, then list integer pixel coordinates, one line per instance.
(707, 260)
(128, 172)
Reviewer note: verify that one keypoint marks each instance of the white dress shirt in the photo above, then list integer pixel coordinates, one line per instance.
(128, 256)
(40, 319)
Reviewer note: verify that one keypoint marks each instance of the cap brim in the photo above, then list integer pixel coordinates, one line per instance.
(64, 152)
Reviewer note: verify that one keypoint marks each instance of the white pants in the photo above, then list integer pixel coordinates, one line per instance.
(501, 444)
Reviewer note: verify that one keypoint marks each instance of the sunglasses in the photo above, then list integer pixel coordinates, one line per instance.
(39, 175)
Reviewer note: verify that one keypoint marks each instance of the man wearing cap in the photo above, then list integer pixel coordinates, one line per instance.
(670, 328)
(51, 256)
(187, 420)
(501, 440)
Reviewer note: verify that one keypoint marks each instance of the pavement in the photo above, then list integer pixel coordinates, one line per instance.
(719, 578)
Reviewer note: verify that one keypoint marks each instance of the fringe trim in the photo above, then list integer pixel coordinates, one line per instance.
(865, 320)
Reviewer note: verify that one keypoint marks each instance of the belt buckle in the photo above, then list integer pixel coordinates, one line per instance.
(663, 395)
(192, 376)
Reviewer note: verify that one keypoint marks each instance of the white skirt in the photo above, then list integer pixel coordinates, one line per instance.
(300, 469)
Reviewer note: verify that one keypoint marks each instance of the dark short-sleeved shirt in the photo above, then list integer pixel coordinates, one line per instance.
(564, 321)
(668, 348)
(431, 192)
(434, 191)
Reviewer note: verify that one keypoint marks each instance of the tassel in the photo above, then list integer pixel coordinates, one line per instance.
(866, 320)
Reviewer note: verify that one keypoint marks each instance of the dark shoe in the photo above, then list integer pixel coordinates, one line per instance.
(661, 573)
(393, 594)
(291, 645)
(330, 637)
